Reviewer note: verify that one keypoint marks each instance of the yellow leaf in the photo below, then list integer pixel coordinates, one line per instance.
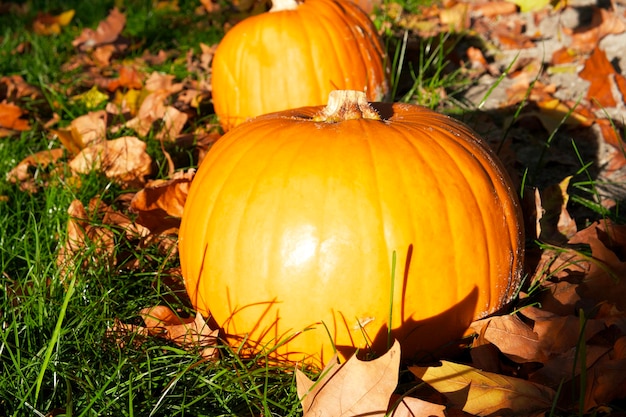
(485, 393)
(92, 98)
(65, 18)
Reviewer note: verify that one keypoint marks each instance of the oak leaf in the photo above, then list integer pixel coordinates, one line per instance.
(485, 393)
(353, 388)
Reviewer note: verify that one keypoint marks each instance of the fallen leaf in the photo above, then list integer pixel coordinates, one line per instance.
(485, 393)
(124, 160)
(514, 338)
(191, 333)
(83, 131)
(11, 118)
(46, 24)
(353, 388)
(24, 173)
(107, 31)
(92, 244)
(599, 71)
(603, 22)
(91, 98)
(414, 407)
(554, 223)
(173, 122)
(128, 77)
(494, 8)
(159, 205)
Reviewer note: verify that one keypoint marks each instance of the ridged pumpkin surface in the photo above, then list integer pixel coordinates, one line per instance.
(292, 222)
(295, 56)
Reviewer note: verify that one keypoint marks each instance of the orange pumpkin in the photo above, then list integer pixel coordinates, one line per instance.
(293, 219)
(294, 56)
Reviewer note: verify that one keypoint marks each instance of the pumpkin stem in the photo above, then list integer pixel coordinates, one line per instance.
(346, 105)
(280, 5)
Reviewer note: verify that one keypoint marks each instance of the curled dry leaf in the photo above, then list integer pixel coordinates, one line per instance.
(554, 223)
(107, 31)
(83, 131)
(159, 205)
(24, 172)
(191, 333)
(485, 393)
(83, 237)
(124, 160)
(11, 119)
(173, 122)
(354, 388)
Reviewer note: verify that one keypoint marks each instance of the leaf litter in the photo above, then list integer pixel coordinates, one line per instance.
(569, 322)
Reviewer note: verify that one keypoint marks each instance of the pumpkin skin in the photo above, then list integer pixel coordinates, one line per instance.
(294, 56)
(293, 219)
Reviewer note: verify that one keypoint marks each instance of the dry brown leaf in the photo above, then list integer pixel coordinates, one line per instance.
(24, 174)
(548, 324)
(128, 77)
(13, 87)
(190, 333)
(11, 118)
(455, 18)
(83, 236)
(107, 31)
(514, 338)
(173, 122)
(554, 223)
(124, 160)
(600, 73)
(603, 22)
(163, 82)
(152, 108)
(83, 131)
(354, 388)
(414, 407)
(606, 382)
(159, 205)
(485, 393)
(493, 8)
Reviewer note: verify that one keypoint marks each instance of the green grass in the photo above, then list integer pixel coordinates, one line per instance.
(55, 352)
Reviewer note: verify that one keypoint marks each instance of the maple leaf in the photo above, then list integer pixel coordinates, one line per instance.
(354, 388)
(485, 393)
(107, 31)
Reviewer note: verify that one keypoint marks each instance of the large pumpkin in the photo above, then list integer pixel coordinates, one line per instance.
(294, 56)
(293, 219)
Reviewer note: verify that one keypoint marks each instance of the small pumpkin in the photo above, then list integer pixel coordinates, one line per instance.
(293, 219)
(294, 56)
